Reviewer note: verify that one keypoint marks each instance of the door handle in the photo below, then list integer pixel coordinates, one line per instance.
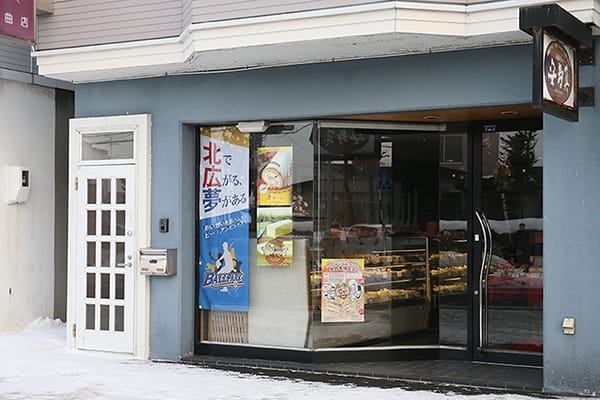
(481, 218)
(128, 265)
(479, 292)
(484, 272)
(488, 264)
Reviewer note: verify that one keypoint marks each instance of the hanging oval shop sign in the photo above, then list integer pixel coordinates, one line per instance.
(561, 42)
(560, 73)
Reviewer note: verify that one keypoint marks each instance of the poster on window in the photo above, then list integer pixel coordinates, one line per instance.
(274, 236)
(224, 219)
(342, 290)
(274, 184)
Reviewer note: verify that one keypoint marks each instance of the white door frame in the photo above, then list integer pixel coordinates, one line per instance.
(140, 125)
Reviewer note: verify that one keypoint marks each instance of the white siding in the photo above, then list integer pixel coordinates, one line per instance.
(187, 13)
(88, 22)
(215, 10)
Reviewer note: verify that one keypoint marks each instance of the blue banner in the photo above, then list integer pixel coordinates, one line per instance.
(224, 220)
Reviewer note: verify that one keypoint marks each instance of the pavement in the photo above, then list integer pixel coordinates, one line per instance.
(436, 375)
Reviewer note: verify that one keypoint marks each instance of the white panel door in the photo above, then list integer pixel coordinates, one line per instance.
(105, 258)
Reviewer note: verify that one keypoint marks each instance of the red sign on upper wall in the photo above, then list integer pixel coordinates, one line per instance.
(17, 19)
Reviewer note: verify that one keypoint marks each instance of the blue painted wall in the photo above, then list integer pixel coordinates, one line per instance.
(572, 247)
(424, 82)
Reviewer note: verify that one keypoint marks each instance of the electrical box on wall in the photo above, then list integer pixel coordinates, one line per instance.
(568, 325)
(159, 262)
(18, 183)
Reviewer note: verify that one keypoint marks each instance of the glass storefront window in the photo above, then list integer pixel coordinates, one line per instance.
(393, 201)
(279, 179)
(341, 235)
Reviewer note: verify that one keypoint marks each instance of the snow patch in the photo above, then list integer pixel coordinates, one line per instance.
(36, 364)
(45, 323)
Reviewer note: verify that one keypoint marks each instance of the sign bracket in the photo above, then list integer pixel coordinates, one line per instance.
(561, 43)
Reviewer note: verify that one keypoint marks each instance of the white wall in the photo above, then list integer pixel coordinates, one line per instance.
(26, 230)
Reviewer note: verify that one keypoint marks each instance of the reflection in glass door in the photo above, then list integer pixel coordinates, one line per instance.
(397, 200)
(510, 223)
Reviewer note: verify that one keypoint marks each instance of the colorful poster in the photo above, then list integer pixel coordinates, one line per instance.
(274, 236)
(342, 290)
(274, 184)
(224, 219)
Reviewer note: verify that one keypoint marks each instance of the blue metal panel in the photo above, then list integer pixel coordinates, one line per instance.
(473, 78)
(571, 248)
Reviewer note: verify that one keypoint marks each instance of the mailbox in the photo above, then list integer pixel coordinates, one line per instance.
(159, 262)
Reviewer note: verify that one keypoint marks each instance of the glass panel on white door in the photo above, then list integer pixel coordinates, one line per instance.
(107, 146)
(106, 258)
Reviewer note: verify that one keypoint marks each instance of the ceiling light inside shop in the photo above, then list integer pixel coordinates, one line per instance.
(508, 113)
(431, 118)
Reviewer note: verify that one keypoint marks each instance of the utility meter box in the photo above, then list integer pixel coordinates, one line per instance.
(18, 184)
(158, 262)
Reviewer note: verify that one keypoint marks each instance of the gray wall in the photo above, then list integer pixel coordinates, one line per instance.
(424, 82)
(26, 229)
(572, 247)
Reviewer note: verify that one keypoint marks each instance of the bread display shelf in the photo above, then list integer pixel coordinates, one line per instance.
(449, 273)
(457, 288)
(398, 275)
(387, 295)
(408, 275)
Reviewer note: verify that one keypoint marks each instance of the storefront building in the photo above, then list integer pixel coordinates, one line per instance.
(393, 206)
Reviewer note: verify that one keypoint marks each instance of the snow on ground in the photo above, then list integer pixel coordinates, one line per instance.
(35, 363)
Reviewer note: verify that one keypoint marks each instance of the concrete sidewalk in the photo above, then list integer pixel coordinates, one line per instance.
(439, 375)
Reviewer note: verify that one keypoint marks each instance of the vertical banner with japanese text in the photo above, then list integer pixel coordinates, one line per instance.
(224, 219)
(342, 290)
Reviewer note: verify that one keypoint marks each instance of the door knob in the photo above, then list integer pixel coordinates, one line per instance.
(128, 265)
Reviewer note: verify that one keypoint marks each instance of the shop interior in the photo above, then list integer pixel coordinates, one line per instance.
(400, 197)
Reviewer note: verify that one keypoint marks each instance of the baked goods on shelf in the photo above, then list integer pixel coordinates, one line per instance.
(391, 275)
(450, 272)
(450, 289)
(386, 295)
(451, 258)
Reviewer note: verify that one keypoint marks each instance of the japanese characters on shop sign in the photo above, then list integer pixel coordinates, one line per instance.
(214, 180)
(17, 19)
